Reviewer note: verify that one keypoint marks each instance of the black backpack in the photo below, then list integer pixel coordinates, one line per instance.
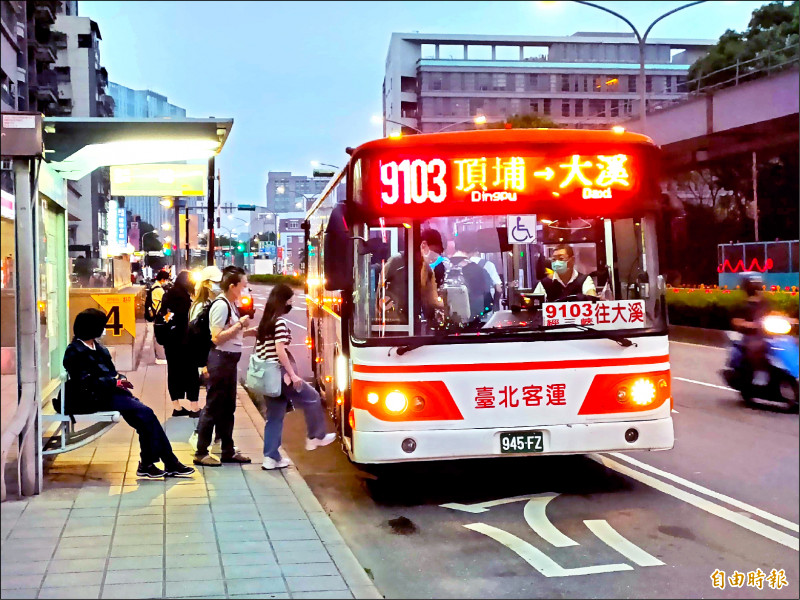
(198, 335)
(163, 330)
(150, 310)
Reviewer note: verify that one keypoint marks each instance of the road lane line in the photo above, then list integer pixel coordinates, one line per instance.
(536, 515)
(700, 345)
(538, 559)
(720, 511)
(703, 490)
(711, 385)
(298, 324)
(610, 536)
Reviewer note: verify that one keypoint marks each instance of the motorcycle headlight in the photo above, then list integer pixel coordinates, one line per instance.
(776, 325)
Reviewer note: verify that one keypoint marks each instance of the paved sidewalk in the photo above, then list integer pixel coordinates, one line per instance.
(229, 532)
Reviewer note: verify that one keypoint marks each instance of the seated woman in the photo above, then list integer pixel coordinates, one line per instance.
(94, 378)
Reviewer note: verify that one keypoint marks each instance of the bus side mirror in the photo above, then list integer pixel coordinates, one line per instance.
(338, 251)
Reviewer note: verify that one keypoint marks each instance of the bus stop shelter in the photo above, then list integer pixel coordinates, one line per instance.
(44, 153)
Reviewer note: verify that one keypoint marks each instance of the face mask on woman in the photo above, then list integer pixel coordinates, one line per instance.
(287, 309)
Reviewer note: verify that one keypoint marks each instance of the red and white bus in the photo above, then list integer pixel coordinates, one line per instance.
(421, 356)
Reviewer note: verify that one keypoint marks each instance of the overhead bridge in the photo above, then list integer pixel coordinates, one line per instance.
(760, 115)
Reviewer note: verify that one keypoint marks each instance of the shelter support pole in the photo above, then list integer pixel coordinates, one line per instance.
(212, 243)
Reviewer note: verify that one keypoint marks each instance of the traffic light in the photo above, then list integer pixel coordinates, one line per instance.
(311, 250)
(167, 249)
(240, 247)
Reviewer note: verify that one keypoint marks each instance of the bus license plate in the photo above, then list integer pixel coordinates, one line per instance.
(521, 441)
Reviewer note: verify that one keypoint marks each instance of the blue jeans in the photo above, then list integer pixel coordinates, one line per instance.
(306, 398)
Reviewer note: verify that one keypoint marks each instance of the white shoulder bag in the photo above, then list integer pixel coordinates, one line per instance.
(263, 376)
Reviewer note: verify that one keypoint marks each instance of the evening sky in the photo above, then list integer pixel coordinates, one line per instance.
(302, 79)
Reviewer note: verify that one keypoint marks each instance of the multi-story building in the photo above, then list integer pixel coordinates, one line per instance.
(584, 80)
(28, 48)
(286, 193)
(82, 81)
(291, 238)
(144, 104)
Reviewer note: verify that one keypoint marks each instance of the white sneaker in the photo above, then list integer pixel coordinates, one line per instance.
(193, 441)
(270, 463)
(313, 444)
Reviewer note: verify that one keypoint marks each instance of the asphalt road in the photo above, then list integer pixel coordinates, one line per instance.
(640, 524)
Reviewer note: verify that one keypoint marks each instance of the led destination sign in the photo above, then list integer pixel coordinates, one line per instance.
(493, 183)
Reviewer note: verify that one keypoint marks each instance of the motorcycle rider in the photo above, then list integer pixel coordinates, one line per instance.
(750, 356)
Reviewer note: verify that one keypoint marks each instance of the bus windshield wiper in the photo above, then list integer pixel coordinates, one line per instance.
(436, 338)
(622, 341)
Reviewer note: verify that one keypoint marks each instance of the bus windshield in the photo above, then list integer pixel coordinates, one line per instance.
(507, 275)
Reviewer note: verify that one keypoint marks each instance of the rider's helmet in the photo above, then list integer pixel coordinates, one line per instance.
(751, 282)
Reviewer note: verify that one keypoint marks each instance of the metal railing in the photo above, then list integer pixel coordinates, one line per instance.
(741, 72)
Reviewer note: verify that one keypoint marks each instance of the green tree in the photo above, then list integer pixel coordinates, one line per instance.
(770, 38)
(525, 121)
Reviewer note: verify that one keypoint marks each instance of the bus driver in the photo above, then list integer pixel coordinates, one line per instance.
(566, 280)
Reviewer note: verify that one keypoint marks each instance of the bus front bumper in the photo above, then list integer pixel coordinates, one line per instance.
(447, 444)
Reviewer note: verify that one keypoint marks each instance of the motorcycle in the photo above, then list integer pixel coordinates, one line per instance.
(778, 382)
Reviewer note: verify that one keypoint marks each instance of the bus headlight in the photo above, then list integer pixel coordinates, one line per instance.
(776, 325)
(643, 392)
(372, 398)
(396, 402)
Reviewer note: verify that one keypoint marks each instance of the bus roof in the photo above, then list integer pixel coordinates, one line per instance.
(507, 136)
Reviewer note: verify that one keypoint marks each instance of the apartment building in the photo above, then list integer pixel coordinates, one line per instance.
(81, 83)
(585, 80)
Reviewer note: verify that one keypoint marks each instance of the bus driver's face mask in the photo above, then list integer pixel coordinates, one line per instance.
(560, 266)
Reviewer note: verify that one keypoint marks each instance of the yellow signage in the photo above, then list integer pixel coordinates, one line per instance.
(121, 311)
(158, 180)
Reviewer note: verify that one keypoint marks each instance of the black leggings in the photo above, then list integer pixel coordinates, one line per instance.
(182, 377)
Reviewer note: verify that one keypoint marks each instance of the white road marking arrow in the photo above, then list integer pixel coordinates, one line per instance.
(628, 549)
(536, 516)
(538, 559)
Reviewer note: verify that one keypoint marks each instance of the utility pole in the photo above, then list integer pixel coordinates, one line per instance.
(176, 243)
(186, 215)
(211, 241)
(755, 194)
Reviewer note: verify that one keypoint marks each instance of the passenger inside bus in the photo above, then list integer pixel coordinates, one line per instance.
(432, 250)
(565, 282)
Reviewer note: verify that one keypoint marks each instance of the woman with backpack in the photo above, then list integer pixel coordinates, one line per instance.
(206, 290)
(273, 339)
(182, 376)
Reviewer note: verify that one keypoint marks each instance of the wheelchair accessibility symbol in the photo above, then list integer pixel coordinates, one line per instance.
(521, 229)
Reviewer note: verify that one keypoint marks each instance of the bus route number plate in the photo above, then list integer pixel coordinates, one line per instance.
(517, 442)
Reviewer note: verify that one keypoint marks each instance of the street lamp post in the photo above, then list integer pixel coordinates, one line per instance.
(478, 120)
(642, 39)
(146, 252)
(316, 163)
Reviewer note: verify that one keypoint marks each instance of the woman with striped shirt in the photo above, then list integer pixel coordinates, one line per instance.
(272, 343)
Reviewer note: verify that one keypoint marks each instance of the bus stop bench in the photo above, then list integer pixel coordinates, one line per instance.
(67, 436)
